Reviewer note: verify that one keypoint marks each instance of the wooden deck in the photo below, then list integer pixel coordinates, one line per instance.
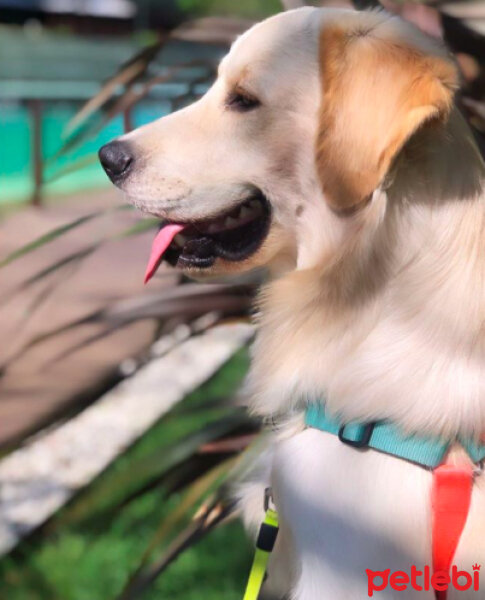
(54, 377)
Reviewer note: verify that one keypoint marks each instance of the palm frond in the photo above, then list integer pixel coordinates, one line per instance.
(206, 520)
(63, 262)
(171, 466)
(127, 73)
(49, 237)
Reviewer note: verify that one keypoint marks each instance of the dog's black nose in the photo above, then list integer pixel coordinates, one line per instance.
(117, 160)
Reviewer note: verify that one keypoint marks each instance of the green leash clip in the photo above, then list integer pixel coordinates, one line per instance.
(264, 546)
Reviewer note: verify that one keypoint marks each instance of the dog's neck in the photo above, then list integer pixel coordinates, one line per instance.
(393, 326)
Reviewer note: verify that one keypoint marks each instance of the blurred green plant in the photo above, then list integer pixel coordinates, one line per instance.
(251, 9)
(128, 526)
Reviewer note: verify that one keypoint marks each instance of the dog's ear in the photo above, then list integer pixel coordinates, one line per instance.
(376, 92)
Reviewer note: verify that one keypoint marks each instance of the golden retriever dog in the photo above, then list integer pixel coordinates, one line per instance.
(330, 150)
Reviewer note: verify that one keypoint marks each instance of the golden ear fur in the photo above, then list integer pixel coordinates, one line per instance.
(377, 90)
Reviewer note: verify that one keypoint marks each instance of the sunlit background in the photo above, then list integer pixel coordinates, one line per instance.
(120, 434)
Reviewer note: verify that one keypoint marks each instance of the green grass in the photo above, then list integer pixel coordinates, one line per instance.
(89, 549)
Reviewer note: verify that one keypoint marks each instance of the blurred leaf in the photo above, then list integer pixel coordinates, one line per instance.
(72, 167)
(154, 467)
(128, 73)
(37, 302)
(187, 301)
(137, 66)
(249, 8)
(227, 445)
(139, 227)
(193, 496)
(50, 269)
(114, 106)
(48, 237)
(213, 511)
(213, 514)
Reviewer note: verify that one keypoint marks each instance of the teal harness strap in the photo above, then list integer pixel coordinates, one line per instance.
(383, 436)
(475, 451)
(428, 452)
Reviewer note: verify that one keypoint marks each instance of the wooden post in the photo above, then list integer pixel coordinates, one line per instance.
(36, 145)
(127, 120)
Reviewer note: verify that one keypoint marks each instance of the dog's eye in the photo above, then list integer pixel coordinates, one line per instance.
(242, 101)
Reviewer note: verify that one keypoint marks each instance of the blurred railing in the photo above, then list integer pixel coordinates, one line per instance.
(162, 77)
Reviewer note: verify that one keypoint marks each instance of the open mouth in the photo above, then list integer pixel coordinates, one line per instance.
(233, 236)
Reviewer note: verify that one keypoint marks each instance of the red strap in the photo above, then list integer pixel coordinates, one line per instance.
(451, 495)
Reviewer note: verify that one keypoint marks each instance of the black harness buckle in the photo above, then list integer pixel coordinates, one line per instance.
(364, 440)
(266, 537)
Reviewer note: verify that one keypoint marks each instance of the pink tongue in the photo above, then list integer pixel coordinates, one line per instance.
(160, 244)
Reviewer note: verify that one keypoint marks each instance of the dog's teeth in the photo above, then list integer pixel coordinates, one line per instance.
(230, 222)
(180, 239)
(249, 210)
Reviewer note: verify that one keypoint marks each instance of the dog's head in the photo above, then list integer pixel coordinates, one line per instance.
(303, 124)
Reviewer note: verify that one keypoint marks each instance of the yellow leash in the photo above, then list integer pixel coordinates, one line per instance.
(264, 545)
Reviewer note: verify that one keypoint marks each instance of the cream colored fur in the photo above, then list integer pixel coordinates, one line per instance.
(380, 311)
